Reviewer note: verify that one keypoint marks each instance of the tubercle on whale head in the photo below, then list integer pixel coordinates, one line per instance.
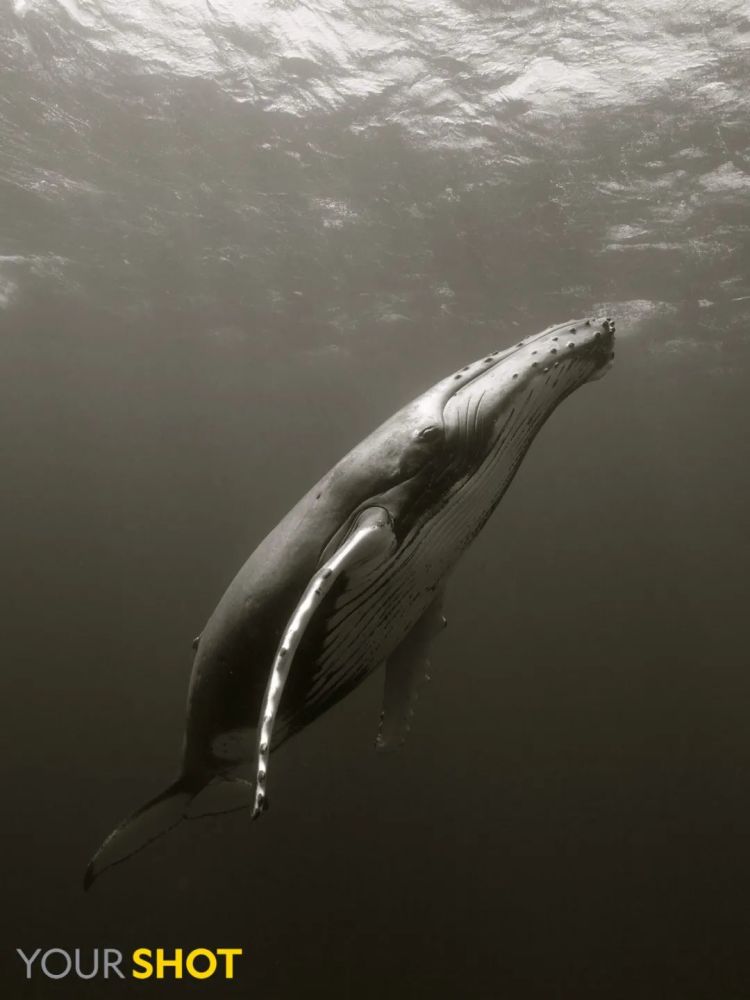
(604, 347)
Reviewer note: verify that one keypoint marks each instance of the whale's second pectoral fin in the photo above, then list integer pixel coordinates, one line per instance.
(406, 671)
(370, 540)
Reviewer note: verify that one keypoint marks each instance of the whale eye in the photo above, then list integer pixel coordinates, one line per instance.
(426, 445)
(430, 433)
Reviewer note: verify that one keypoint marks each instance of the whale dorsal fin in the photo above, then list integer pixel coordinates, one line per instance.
(406, 672)
(370, 540)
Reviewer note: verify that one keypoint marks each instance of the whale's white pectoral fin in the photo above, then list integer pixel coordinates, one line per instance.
(370, 540)
(406, 671)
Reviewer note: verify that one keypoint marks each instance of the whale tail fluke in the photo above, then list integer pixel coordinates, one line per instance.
(186, 798)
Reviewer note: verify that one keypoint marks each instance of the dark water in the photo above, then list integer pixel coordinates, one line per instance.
(235, 237)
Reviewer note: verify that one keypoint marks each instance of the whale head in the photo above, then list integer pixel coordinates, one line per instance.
(469, 432)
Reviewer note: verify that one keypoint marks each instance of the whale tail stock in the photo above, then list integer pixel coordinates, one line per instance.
(189, 797)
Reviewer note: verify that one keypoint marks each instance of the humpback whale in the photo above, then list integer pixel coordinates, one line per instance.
(352, 577)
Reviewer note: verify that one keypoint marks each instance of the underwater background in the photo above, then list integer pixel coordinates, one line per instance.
(235, 237)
